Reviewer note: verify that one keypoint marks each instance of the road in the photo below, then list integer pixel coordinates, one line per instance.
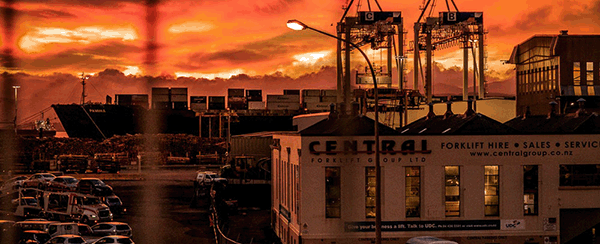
(159, 211)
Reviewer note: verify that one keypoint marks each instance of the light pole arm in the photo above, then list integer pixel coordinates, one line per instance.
(375, 131)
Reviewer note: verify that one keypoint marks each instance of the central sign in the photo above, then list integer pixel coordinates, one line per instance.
(367, 146)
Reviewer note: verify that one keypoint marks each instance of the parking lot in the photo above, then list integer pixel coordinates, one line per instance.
(160, 208)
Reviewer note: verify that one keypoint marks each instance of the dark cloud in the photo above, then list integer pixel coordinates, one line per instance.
(86, 3)
(112, 49)
(535, 19)
(67, 60)
(49, 14)
(277, 7)
(210, 60)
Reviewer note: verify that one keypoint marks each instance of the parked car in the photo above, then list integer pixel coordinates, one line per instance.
(35, 224)
(12, 184)
(55, 229)
(114, 239)
(115, 204)
(63, 183)
(66, 239)
(94, 186)
(34, 236)
(112, 228)
(204, 178)
(84, 229)
(38, 180)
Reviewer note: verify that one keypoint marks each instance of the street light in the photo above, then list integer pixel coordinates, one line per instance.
(297, 25)
(15, 121)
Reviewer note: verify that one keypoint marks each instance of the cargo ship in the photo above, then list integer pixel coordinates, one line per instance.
(241, 111)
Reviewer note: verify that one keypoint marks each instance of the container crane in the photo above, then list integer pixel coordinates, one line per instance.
(451, 28)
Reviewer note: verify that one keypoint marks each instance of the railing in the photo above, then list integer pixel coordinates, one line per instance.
(220, 238)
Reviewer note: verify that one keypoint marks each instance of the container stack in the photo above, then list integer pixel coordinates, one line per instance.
(179, 98)
(255, 100)
(198, 103)
(236, 99)
(132, 100)
(283, 102)
(216, 102)
(160, 98)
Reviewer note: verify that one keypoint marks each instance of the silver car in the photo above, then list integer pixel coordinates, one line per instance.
(112, 228)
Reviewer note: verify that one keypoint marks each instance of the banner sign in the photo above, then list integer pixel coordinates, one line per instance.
(283, 211)
(434, 225)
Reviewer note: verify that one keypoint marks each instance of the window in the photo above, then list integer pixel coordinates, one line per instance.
(589, 73)
(332, 192)
(370, 192)
(413, 191)
(530, 190)
(576, 74)
(491, 191)
(452, 191)
(580, 175)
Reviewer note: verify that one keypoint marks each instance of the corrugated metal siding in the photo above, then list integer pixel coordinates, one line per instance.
(251, 146)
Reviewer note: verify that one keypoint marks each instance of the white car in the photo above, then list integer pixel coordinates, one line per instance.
(114, 239)
(66, 239)
(205, 178)
(38, 180)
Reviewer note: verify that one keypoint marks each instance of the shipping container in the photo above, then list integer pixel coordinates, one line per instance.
(160, 98)
(283, 98)
(329, 99)
(282, 106)
(160, 91)
(236, 103)
(291, 92)
(254, 95)
(216, 102)
(198, 107)
(311, 93)
(257, 146)
(179, 91)
(311, 99)
(254, 105)
(235, 92)
(180, 105)
(132, 100)
(320, 106)
(328, 93)
(198, 99)
(179, 98)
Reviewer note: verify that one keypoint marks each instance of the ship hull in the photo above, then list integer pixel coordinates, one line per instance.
(99, 121)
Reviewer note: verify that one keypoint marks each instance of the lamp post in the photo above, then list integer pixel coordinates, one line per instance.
(297, 25)
(15, 120)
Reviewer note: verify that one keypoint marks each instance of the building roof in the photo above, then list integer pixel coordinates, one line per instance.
(557, 124)
(469, 123)
(347, 126)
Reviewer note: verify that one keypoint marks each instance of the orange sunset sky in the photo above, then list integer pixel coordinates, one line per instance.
(209, 46)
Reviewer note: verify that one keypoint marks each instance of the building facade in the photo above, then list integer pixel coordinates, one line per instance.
(517, 188)
(562, 67)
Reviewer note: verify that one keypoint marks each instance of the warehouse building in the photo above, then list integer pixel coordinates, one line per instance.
(560, 67)
(462, 177)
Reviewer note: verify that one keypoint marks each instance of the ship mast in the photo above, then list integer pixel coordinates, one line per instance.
(83, 78)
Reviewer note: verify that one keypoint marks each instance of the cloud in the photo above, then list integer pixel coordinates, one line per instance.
(66, 61)
(36, 39)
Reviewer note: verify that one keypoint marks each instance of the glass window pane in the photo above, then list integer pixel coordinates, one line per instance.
(590, 73)
(452, 191)
(576, 74)
(332, 192)
(412, 191)
(370, 191)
